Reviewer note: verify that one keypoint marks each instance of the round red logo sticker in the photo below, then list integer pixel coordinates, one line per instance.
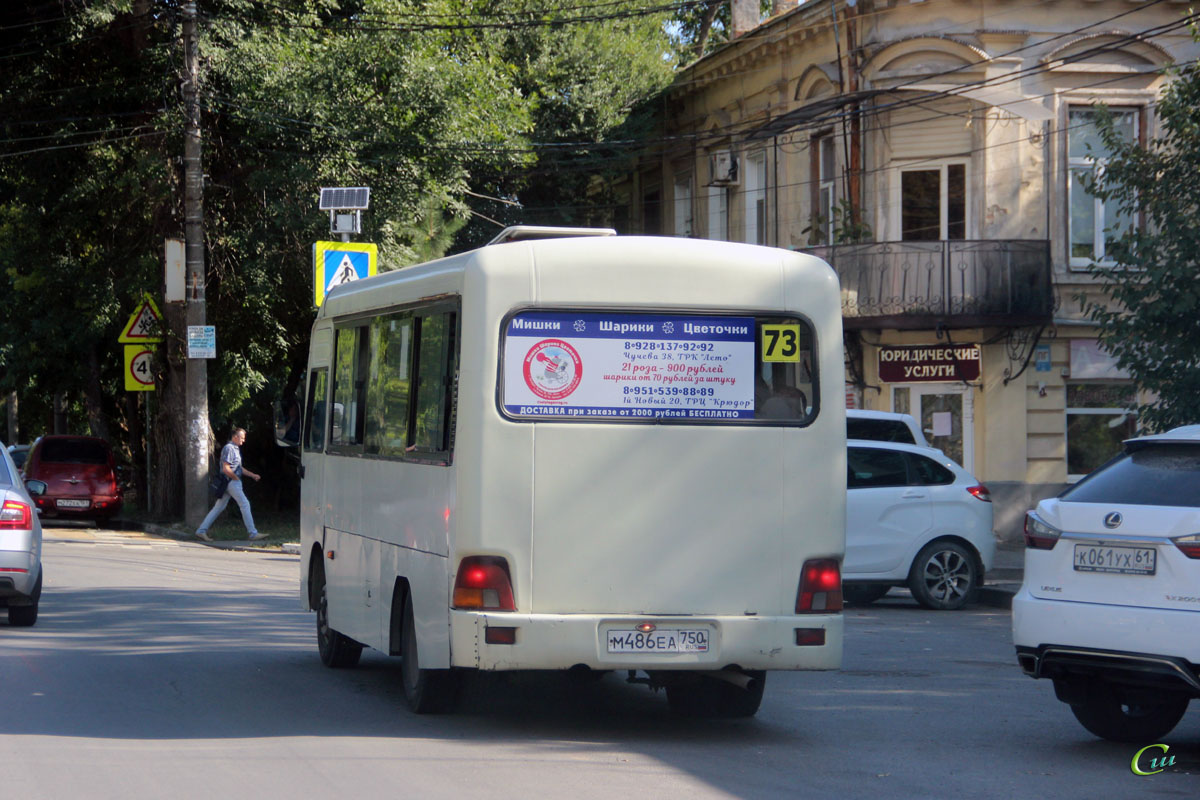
(552, 369)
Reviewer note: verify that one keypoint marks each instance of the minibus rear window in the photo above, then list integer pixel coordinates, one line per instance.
(629, 367)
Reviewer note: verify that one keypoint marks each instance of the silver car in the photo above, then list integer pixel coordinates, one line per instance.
(20, 545)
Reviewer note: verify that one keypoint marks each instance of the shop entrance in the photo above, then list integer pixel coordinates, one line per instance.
(946, 413)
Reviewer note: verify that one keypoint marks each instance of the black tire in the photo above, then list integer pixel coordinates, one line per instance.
(944, 576)
(427, 691)
(863, 594)
(1143, 719)
(691, 695)
(26, 616)
(337, 651)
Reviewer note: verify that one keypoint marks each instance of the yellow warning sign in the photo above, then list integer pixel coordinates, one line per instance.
(144, 324)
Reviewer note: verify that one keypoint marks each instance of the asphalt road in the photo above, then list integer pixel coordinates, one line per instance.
(169, 669)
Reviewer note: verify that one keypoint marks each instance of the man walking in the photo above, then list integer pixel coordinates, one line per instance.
(232, 469)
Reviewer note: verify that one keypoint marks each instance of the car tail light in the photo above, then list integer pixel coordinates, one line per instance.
(980, 492)
(16, 516)
(1039, 535)
(1190, 545)
(820, 587)
(483, 584)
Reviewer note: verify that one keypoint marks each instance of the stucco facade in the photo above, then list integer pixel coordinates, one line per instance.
(959, 131)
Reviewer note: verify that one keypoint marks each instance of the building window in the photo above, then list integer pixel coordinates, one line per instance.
(1094, 223)
(826, 175)
(683, 205)
(756, 199)
(1099, 417)
(718, 213)
(933, 203)
(652, 213)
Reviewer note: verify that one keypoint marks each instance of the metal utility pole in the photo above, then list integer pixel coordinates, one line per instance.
(195, 466)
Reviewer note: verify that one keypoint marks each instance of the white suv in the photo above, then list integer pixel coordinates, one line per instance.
(1110, 609)
(883, 426)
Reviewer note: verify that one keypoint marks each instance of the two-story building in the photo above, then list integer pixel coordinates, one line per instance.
(934, 152)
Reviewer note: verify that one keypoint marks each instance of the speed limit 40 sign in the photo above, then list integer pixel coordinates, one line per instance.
(139, 375)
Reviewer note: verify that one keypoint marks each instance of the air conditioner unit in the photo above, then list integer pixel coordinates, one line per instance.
(722, 169)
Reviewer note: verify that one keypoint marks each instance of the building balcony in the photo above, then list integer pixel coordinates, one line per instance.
(951, 284)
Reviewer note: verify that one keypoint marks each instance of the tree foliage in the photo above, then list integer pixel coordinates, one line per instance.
(437, 105)
(1151, 324)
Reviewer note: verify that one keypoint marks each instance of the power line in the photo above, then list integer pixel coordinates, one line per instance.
(516, 21)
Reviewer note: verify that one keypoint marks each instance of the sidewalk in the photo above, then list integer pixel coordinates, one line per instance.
(1004, 578)
(185, 535)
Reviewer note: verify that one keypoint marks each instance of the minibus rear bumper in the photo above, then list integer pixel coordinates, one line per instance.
(562, 641)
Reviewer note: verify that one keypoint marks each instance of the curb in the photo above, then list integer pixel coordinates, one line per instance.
(289, 548)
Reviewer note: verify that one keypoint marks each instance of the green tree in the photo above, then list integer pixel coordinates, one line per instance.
(432, 104)
(1150, 319)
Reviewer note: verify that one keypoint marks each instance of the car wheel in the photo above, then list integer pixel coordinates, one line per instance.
(336, 650)
(1143, 719)
(944, 576)
(692, 695)
(26, 616)
(863, 595)
(427, 691)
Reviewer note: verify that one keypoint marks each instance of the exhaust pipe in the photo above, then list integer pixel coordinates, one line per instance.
(738, 679)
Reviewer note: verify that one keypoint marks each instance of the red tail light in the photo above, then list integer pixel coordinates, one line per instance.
(820, 587)
(1039, 535)
(15, 516)
(483, 584)
(1190, 545)
(980, 492)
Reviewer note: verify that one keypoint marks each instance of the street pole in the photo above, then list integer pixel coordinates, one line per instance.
(195, 466)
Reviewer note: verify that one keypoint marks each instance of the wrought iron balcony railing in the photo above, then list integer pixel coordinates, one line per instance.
(956, 283)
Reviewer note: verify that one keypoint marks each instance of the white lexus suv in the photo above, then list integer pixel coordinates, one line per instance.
(1110, 607)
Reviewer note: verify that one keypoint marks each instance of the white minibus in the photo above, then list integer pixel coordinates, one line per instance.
(573, 451)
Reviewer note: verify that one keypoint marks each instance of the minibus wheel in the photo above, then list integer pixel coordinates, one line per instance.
(427, 691)
(699, 695)
(336, 650)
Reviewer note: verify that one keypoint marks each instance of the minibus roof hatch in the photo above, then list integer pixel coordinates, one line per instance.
(519, 233)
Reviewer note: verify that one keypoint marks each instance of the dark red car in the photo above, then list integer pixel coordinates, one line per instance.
(80, 477)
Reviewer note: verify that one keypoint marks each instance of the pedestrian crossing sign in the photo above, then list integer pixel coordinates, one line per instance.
(335, 263)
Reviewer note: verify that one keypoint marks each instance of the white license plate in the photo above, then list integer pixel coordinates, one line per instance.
(674, 640)
(74, 503)
(1121, 560)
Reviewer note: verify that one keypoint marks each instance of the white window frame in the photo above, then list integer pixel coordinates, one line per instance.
(826, 187)
(941, 165)
(1096, 165)
(683, 205)
(756, 198)
(1110, 411)
(718, 213)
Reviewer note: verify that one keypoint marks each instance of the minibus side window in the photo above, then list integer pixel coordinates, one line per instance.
(388, 388)
(349, 389)
(314, 414)
(434, 368)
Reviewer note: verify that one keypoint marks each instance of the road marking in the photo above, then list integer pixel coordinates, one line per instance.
(103, 536)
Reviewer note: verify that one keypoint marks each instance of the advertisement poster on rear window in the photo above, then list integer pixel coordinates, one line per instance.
(589, 365)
